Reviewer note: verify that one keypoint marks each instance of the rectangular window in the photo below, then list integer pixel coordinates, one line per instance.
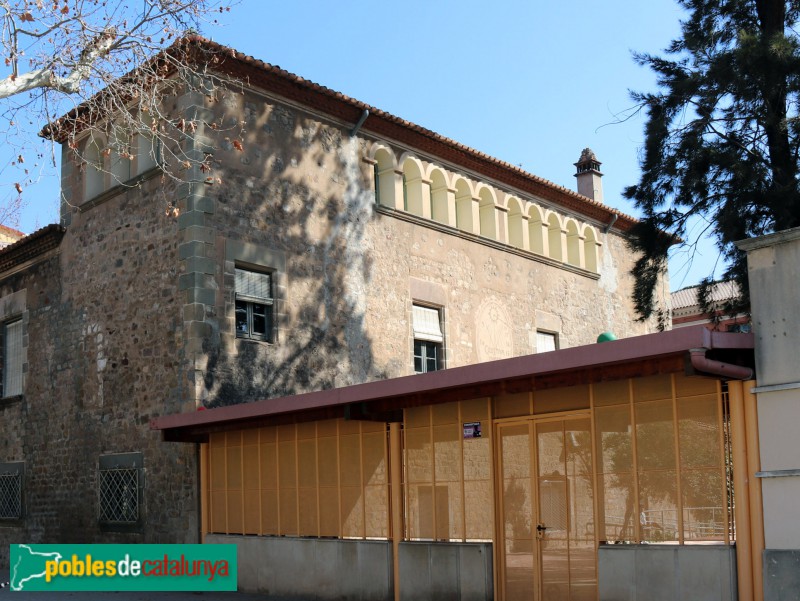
(428, 339)
(254, 305)
(120, 483)
(546, 341)
(11, 348)
(11, 490)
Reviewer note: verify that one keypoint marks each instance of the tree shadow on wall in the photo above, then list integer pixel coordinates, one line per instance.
(299, 188)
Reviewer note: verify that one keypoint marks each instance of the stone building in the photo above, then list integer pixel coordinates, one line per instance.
(340, 245)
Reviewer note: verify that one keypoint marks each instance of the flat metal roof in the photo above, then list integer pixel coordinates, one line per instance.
(662, 352)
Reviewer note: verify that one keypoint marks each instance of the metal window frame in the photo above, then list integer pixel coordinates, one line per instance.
(117, 464)
(425, 345)
(12, 474)
(269, 302)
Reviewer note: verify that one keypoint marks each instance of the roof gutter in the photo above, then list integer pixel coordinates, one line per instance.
(730, 371)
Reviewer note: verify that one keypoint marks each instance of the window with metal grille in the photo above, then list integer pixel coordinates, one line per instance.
(11, 349)
(254, 305)
(11, 491)
(428, 339)
(119, 489)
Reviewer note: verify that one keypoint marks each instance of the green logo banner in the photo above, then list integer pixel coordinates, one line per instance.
(123, 568)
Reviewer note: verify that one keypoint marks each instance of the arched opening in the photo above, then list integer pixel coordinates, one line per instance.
(573, 244)
(487, 214)
(120, 157)
(147, 150)
(384, 178)
(554, 237)
(438, 197)
(515, 237)
(464, 206)
(590, 249)
(93, 168)
(412, 187)
(535, 230)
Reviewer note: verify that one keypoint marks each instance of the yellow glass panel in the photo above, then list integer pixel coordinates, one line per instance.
(286, 433)
(217, 439)
(233, 439)
(352, 512)
(476, 410)
(613, 437)
(235, 522)
(655, 436)
(517, 508)
(217, 465)
(250, 458)
(445, 414)
(218, 511)
(704, 516)
(419, 455)
(519, 574)
(233, 460)
(327, 427)
(250, 437)
(652, 388)
(512, 405)
(418, 417)
(328, 456)
(578, 447)
(288, 508)
(555, 569)
(307, 463)
(374, 453)
(373, 427)
(268, 435)
(350, 459)
(328, 511)
(516, 451)
(616, 505)
(269, 511)
(658, 496)
(347, 426)
(376, 511)
(447, 453)
(550, 445)
(287, 464)
(699, 432)
(561, 399)
(449, 511)
(252, 512)
(420, 511)
(582, 573)
(477, 458)
(269, 465)
(695, 385)
(478, 505)
(616, 392)
(308, 511)
(306, 430)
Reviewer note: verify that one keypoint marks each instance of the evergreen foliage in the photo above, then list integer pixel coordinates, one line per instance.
(721, 138)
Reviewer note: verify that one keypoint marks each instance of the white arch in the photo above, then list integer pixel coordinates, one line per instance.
(536, 238)
(515, 236)
(464, 195)
(120, 162)
(385, 168)
(439, 209)
(554, 236)
(488, 210)
(573, 243)
(412, 186)
(590, 248)
(93, 175)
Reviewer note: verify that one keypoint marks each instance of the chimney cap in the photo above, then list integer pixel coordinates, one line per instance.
(587, 162)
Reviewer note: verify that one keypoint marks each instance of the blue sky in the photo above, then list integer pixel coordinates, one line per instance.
(531, 83)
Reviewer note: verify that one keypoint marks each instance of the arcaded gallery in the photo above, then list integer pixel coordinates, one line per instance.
(571, 475)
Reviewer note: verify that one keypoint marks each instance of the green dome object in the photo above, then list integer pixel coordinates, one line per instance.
(606, 337)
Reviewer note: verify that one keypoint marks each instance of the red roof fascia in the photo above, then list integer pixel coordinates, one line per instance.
(639, 348)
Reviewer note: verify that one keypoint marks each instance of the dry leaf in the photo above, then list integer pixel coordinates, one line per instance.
(238, 145)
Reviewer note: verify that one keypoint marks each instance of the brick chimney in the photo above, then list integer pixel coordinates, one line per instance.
(590, 180)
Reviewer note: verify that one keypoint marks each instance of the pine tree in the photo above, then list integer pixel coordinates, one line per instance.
(721, 137)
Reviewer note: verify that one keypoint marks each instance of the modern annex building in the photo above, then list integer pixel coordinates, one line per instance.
(366, 348)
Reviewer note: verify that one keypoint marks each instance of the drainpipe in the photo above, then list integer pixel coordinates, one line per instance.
(727, 370)
(358, 125)
(608, 226)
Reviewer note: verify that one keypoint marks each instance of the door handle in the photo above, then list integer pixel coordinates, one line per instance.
(541, 528)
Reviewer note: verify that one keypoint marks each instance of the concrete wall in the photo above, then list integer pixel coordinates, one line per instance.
(311, 568)
(667, 573)
(773, 265)
(344, 570)
(442, 571)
